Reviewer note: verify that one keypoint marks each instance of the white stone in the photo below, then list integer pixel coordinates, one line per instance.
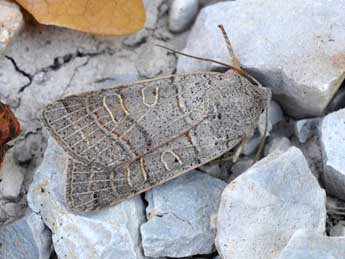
(182, 14)
(181, 216)
(275, 115)
(332, 131)
(308, 244)
(109, 233)
(262, 208)
(305, 128)
(27, 237)
(11, 176)
(277, 143)
(241, 166)
(251, 145)
(11, 22)
(299, 54)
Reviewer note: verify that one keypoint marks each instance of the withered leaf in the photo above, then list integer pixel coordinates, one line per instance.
(9, 128)
(107, 17)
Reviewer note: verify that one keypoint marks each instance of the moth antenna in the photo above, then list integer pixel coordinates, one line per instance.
(234, 59)
(263, 140)
(236, 69)
(201, 58)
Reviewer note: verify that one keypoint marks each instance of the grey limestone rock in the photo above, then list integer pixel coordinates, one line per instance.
(262, 208)
(181, 216)
(25, 238)
(285, 55)
(109, 233)
(308, 244)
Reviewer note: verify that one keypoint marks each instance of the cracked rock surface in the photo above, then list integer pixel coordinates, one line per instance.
(181, 216)
(302, 77)
(262, 208)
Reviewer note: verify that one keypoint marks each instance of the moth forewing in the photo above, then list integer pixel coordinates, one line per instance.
(126, 140)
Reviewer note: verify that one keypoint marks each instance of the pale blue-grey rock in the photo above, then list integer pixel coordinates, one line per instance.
(298, 52)
(277, 143)
(109, 233)
(332, 138)
(11, 177)
(275, 115)
(182, 13)
(308, 244)
(26, 238)
(262, 208)
(305, 128)
(181, 216)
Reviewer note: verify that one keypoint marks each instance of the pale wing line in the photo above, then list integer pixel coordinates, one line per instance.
(92, 192)
(148, 110)
(85, 203)
(74, 122)
(178, 119)
(223, 140)
(65, 116)
(63, 108)
(100, 181)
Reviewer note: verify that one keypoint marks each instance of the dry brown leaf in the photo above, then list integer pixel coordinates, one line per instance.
(9, 128)
(108, 17)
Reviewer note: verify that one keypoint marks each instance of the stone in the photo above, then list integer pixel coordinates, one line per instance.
(261, 209)
(305, 128)
(27, 237)
(284, 56)
(252, 144)
(308, 244)
(154, 61)
(275, 115)
(338, 101)
(181, 216)
(218, 169)
(109, 233)
(45, 63)
(338, 229)
(332, 131)
(11, 177)
(241, 166)
(11, 22)
(277, 143)
(182, 14)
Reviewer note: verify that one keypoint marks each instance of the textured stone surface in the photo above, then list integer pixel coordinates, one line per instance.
(11, 177)
(338, 229)
(25, 238)
(182, 14)
(181, 216)
(277, 143)
(275, 115)
(332, 140)
(307, 244)
(47, 62)
(11, 22)
(262, 208)
(284, 56)
(304, 129)
(109, 233)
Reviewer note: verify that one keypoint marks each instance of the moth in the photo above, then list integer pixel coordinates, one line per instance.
(128, 139)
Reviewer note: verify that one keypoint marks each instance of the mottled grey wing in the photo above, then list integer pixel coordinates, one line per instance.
(142, 135)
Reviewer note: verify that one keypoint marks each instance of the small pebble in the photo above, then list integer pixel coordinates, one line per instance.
(182, 14)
